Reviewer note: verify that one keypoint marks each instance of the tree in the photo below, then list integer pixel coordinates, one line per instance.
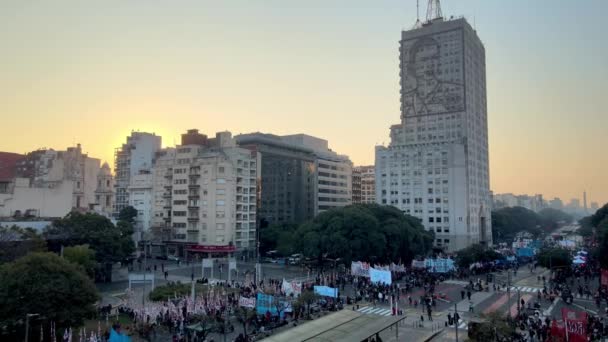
(367, 232)
(16, 242)
(554, 258)
(278, 237)
(600, 215)
(128, 214)
(476, 253)
(45, 284)
(508, 222)
(494, 327)
(111, 243)
(602, 249)
(245, 316)
(82, 256)
(586, 228)
(550, 218)
(306, 299)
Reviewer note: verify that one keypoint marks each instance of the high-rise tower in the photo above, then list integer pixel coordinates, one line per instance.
(436, 165)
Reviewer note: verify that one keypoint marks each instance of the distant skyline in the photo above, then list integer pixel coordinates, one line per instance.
(89, 73)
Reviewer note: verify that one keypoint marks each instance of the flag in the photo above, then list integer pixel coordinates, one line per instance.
(575, 323)
(558, 332)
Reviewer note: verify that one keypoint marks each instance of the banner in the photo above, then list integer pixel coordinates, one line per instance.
(604, 280)
(439, 265)
(380, 276)
(576, 325)
(267, 303)
(360, 269)
(525, 252)
(326, 291)
(397, 268)
(291, 288)
(247, 302)
(232, 264)
(418, 264)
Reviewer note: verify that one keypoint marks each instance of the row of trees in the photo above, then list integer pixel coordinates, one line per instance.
(368, 232)
(508, 222)
(59, 289)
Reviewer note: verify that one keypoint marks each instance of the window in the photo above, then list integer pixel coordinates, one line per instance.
(220, 169)
(431, 219)
(220, 214)
(77, 185)
(219, 238)
(220, 203)
(219, 226)
(179, 213)
(221, 181)
(220, 191)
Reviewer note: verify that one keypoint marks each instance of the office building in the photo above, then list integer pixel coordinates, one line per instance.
(130, 159)
(436, 165)
(300, 176)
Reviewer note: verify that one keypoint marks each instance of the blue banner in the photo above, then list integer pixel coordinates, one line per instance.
(265, 303)
(439, 265)
(525, 252)
(326, 291)
(380, 276)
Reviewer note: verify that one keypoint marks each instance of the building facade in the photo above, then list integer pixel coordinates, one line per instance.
(207, 190)
(436, 165)
(300, 176)
(366, 184)
(50, 183)
(136, 155)
(104, 194)
(140, 193)
(356, 185)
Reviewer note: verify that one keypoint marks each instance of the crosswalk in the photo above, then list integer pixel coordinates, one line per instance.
(462, 325)
(456, 282)
(528, 289)
(370, 310)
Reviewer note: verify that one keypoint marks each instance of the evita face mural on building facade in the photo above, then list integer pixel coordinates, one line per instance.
(433, 82)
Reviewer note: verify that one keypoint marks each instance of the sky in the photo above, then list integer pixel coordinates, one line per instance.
(90, 72)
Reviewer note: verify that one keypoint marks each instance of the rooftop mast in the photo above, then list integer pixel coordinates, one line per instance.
(433, 10)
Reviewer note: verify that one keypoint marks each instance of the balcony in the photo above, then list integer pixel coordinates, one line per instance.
(167, 195)
(193, 196)
(193, 219)
(194, 175)
(168, 186)
(193, 206)
(194, 186)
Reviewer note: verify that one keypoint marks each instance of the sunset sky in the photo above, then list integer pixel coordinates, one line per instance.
(89, 72)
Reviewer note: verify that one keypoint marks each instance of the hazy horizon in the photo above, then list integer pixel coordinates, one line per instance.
(91, 73)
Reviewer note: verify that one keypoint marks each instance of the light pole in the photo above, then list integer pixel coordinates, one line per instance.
(27, 325)
(456, 320)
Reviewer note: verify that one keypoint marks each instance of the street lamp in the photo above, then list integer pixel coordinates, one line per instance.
(27, 324)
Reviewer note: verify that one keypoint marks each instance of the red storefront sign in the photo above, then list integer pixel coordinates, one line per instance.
(211, 249)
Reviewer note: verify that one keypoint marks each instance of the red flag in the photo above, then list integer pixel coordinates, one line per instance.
(576, 325)
(558, 332)
(604, 279)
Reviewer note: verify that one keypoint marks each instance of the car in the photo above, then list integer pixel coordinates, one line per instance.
(161, 257)
(172, 258)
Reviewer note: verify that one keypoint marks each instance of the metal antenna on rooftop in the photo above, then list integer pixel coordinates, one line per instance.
(433, 10)
(418, 23)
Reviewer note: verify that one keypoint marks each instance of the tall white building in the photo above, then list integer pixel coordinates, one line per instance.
(141, 196)
(205, 196)
(136, 155)
(436, 165)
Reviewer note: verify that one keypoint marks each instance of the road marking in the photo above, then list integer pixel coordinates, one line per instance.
(497, 304)
(584, 308)
(365, 309)
(552, 306)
